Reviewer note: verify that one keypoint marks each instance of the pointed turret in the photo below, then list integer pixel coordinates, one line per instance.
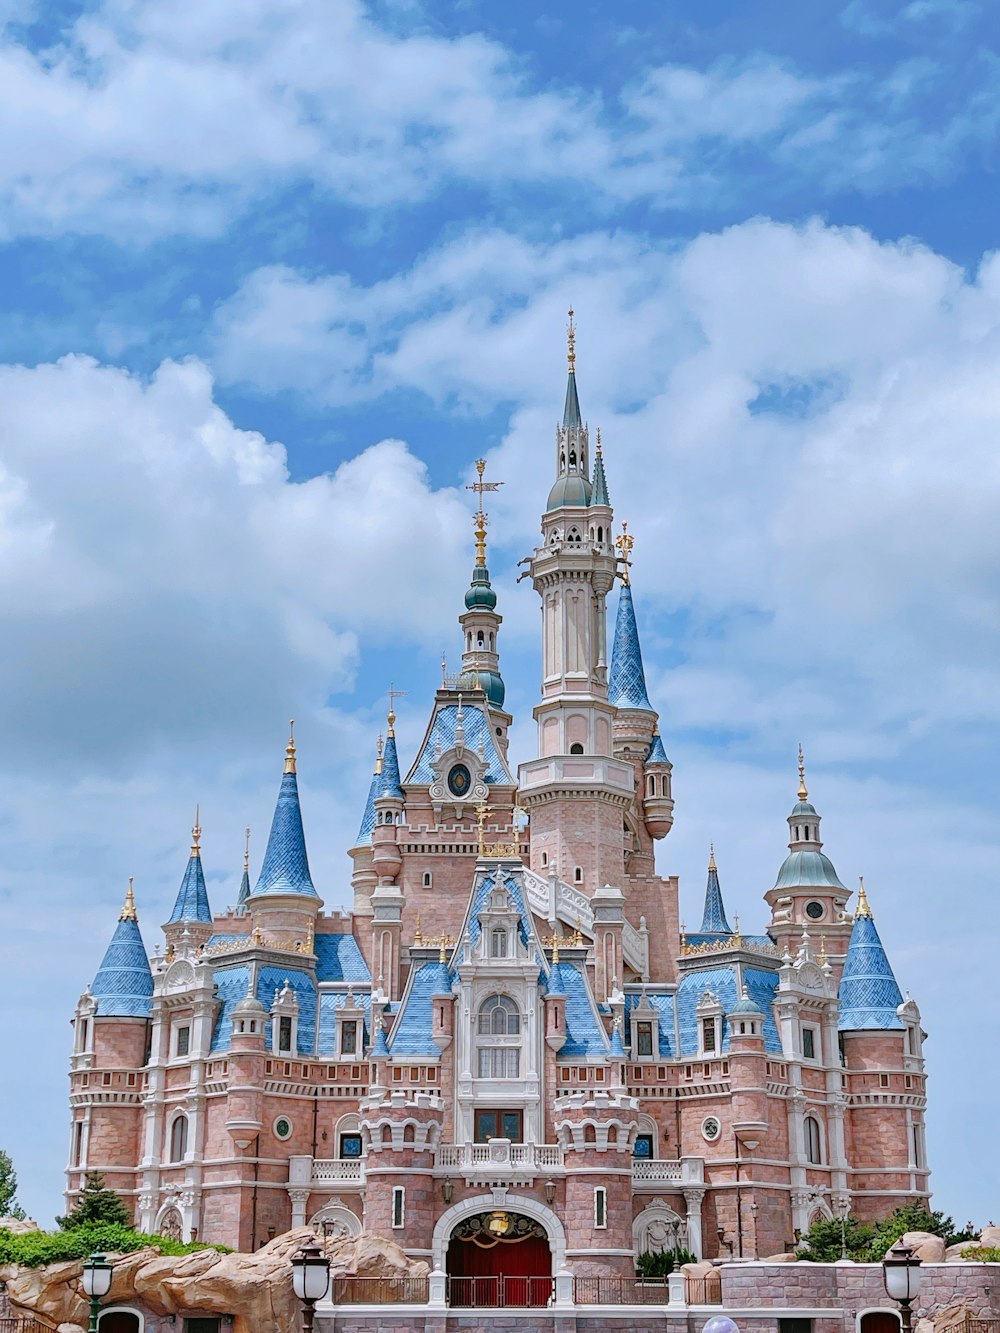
(391, 785)
(286, 864)
(571, 411)
(123, 986)
(480, 621)
(572, 488)
(869, 995)
(368, 818)
(192, 897)
(806, 866)
(599, 495)
(244, 893)
(713, 921)
(627, 680)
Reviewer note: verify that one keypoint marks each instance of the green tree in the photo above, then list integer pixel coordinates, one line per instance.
(869, 1241)
(824, 1242)
(8, 1188)
(96, 1203)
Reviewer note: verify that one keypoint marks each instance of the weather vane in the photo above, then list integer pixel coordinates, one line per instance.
(625, 543)
(481, 519)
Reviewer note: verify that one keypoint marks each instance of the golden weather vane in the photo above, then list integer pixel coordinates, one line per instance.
(571, 343)
(394, 694)
(481, 519)
(624, 544)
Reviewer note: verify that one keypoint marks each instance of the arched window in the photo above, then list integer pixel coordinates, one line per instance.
(576, 748)
(578, 875)
(814, 1144)
(498, 1016)
(600, 534)
(498, 942)
(178, 1139)
(499, 1038)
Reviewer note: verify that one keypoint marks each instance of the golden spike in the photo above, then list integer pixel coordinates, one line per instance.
(711, 857)
(481, 519)
(481, 811)
(394, 694)
(821, 956)
(553, 943)
(418, 934)
(290, 748)
(624, 544)
(444, 945)
(863, 907)
(803, 790)
(246, 849)
(196, 832)
(598, 442)
(571, 343)
(128, 912)
(378, 755)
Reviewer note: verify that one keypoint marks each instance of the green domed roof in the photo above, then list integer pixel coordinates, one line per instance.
(490, 682)
(807, 870)
(480, 590)
(572, 490)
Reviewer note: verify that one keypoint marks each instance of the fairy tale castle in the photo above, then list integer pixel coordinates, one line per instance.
(510, 1037)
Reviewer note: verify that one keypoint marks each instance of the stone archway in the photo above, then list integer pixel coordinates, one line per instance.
(512, 1203)
(120, 1319)
(336, 1220)
(659, 1228)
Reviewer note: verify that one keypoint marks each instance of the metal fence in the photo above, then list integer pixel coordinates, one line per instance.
(978, 1326)
(703, 1290)
(403, 1290)
(501, 1292)
(12, 1324)
(620, 1291)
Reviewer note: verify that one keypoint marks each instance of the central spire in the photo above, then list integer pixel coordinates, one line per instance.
(573, 487)
(480, 621)
(571, 411)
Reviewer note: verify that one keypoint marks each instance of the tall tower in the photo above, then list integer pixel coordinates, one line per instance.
(576, 791)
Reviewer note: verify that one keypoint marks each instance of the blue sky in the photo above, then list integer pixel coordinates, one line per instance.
(274, 275)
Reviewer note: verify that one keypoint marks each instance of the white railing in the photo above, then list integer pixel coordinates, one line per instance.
(338, 1169)
(571, 905)
(498, 1155)
(658, 1171)
(635, 947)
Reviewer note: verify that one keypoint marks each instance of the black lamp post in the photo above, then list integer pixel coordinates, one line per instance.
(310, 1279)
(96, 1284)
(901, 1275)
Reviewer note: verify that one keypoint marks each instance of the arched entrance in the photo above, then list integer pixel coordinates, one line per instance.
(119, 1321)
(499, 1258)
(879, 1321)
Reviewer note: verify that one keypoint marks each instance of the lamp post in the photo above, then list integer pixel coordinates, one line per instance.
(96, 1284)
(901, 1275)
(310, 1279)
(844, 1210)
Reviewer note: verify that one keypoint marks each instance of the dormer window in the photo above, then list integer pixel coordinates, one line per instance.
(708, 1036)
(498, 942)
(284, 1034)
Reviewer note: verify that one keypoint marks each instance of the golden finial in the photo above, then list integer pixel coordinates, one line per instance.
(736, 919)
(598, 442)
(394, 694)
(571, 343)
(444, 669)
(378, 754)
(481, 519)
(711, 857)
(196, 832)
(863, 907)
(803, 790)
(821, 956)
(418, 934)
(444, 944)
(481, 810)
(553, 943)
(246, 849)
(625, 543)
(290, 748)
(128, 910)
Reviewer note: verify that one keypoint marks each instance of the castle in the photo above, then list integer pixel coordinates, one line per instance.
(509, 1056)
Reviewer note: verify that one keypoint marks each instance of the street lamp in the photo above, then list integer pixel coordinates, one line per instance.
(310, 1279)
(97, 1284)
(844, 1211)
(901, 1275)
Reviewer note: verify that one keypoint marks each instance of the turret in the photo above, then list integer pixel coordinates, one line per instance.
(480, 622)
(244, 893)
(713, 918)
(389, 805)
(364, 876)
(190, 923)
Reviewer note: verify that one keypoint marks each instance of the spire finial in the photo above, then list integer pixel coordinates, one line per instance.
(196, 832)
(624, 544)
(803, 790)
(128, 912)
(711, 857)
(378, 754)
(394, 694)
(290, 748)
(481, 810)
(246, 849)
(863, 907)
(571, 343)
(481, 519)
(599, 442)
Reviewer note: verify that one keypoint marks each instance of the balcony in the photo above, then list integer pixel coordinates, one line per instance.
(337, 1171)
(499, 1160)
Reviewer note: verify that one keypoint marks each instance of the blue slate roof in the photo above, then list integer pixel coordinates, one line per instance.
(221, 938)
(478, 729)
(368, 817)
(807, 869)
(585, 1035)
(390, 785)
(714, 917)
(599, 495)
(271, 979)
(286, 864)
(627, 679)
(231, 985)
(571, 409)
(328, 1006)
(722, 982)
(664, 1006)
(244, 893)
(192, 897)
(869, 995)
(657, 754)
(411, 1032)
(481, 889)
(338, 958)
(123, 986)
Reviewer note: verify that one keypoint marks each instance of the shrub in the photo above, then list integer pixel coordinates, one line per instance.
(35, 1248)
(985, 1254)
(654, 1264)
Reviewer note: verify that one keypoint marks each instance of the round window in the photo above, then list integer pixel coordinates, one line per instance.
(282, 1128)
(459, 780)
(814, 910)
(710, 1128)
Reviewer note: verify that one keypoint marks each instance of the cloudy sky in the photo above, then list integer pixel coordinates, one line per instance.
(275, 273)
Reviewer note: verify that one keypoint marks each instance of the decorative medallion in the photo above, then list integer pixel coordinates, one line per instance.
(459, 780)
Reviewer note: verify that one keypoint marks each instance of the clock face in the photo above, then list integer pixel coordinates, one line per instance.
(459, 780)
(814, 910)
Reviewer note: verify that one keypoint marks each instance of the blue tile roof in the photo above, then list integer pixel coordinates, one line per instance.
(600, 491)
(481, 889)
(627, 679)
(338, 958)
(585, 1035)
(328, 1006)
(869, 995)
(411, 1032)
(807, 869)
(286, 864)
(231, 986)
(571, 409)
(244, 893)
(192, 897)
(478, 730)
(722, 982)
(271, 979)
(664, 1006)
(657, 754)
(123, 986)
(368, 817)
(713, 919)
(390, 785)
(220, 938)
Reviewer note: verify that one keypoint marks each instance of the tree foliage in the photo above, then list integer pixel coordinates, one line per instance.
(35, 1248)
(662, 1263)
(96, 1203)
(867, 1242)
(9, 1206)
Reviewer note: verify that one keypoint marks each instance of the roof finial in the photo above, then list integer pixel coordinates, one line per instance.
(598, 442)
(481, 811)
(394, 694)
(571, 343)
(863, 908)
(290, 748)
(803, 790)
(246, 849)
(128, 912)
(378, 754)
(625, 543)
(196, 832)
(481, 519)
(711, 857)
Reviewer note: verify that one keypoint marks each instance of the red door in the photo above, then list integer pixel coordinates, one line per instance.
(506, 1273)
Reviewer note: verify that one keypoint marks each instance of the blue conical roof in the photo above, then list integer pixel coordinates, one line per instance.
(713, 921)
(192, 896)
(617, 1050)
(599, 495)
(627, 680)
(390, 770)
(286, 864)
(244, 893)
(869, 996)
(657, 754)
(571, 411)
(123, 987)
(368, 818)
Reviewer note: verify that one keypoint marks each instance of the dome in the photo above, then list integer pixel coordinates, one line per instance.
(249, 1005)
(573, 490)
(480, 592)
(807, 870)
(490, 682)
(744, 1005)
(804, 808)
